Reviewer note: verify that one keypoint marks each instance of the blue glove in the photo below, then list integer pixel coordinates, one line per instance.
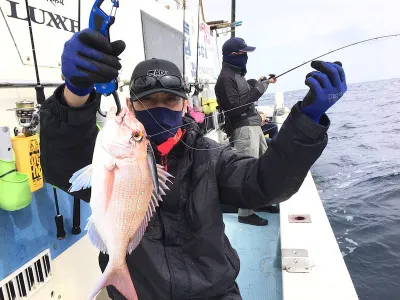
(326, 87)
(89, 58)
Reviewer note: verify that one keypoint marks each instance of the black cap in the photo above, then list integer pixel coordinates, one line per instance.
(235, 45)
(156, 68)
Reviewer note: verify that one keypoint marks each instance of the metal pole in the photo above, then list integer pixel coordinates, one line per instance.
(79, 15)
(233, 18)
(198, 43)
(40, 97)
(184, 39)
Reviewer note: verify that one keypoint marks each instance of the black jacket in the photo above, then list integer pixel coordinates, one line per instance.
(236, 97)
(185, 253)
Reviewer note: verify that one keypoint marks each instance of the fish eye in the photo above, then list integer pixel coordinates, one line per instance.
(137, 136)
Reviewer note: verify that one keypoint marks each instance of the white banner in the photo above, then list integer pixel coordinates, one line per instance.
(53, 23)
(208, 56)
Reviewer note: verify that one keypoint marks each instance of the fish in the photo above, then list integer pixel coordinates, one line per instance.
(127, 186)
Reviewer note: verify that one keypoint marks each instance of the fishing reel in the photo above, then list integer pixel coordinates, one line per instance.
(27, 115)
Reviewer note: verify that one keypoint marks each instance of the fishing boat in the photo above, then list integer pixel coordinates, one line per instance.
(44, 249)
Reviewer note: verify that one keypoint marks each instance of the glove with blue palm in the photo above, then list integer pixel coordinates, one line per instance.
(89, 58)
(327, 86)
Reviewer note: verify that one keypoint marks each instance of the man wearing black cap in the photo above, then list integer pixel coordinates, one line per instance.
(184, 253)
(236, 97)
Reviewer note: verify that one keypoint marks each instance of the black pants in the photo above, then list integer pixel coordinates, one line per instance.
(231, 294)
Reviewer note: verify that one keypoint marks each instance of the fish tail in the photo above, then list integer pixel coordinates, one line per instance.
(120, 279)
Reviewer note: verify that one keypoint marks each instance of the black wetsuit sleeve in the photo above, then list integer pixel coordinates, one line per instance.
(248, 182)
(67, 139)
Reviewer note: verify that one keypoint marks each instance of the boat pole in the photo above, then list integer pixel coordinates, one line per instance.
(79, 15)
(76, 220)
(233, 18)
(184, 40)
(197, 87)
(40, 97)
(198, 44)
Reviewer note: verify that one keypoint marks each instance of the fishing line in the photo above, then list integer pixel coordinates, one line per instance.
(193, 122)
(169, 130)
(335, 50)
(219, 113)
(349, 45)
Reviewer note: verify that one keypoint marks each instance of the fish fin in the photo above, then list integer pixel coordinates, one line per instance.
(95, 237)
(153, 167)
(153, 203)
(118, 277)
(108, 186)
(81, 179)
(139, 233)
(162, 178)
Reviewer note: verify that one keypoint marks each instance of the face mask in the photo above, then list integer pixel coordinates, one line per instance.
(237, 60)
(169, 120)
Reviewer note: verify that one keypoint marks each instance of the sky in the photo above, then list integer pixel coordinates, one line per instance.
(290, 32)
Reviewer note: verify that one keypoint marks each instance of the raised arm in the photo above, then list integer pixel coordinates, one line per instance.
(68, 118)
(248, 182)
(278, 174)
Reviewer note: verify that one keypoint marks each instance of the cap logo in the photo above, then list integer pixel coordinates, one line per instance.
(157, 73)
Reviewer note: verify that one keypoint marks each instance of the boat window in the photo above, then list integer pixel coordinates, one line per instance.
(162, 41)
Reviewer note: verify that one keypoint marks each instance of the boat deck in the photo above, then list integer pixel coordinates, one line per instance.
(260, 276)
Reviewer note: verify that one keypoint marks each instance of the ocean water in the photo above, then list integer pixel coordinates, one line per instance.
(358, 179)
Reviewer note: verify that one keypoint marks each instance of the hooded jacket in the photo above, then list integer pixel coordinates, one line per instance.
(185, 253)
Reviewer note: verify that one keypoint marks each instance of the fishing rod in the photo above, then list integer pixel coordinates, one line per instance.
(76, 219)
(40, 97)
(353, 44)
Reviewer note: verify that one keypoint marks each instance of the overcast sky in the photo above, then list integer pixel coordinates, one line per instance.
(290, 32)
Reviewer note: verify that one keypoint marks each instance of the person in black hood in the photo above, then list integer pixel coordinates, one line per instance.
(236, 97)
(184, 253)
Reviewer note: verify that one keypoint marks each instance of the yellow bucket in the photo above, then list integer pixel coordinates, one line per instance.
(27, 157)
